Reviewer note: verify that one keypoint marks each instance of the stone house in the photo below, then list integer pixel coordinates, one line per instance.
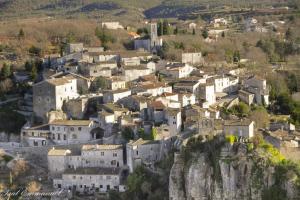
(76, 108)
(113, 96)
(96, 57)
(143, 152)
(71, 131)
(187, 99)
(109, 156)
(103, 69)
(173, 117)
(58, 160)
(156, 111)
(226, 84)
(135, 103)
(51, 94)
(188, 86)
(134, 72)
(112, 25)
(207, 93)
(178, 70)
(74, 48)
(258, 86)
(90, 180)
(152, 89)
(192, 58)
(241, 128)
(246, 97)
(104, 156)
(115, 83)
(35, 136)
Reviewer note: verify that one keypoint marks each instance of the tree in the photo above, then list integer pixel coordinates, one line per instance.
(20, 167)
(260, 116)
(160, 30)
(289, 34)
(6, 71)
(153, 133)
(223, 34)
(5, 86)
(33, 73)
(98, 83)
(205, 34)
(240, 109)
(128, 134)
(176, 31)
(21, 34)
(236, 56)
(35, 50)
(33, 187)
(166, 27)
(194, 31)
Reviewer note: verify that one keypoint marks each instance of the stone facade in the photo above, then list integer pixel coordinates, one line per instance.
(51, 94)
(142, 152)
(71, 131)
(192, 58)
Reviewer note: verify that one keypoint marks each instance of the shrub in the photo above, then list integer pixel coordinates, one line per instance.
(231, 139)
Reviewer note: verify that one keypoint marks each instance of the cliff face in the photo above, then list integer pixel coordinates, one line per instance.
(235, 174)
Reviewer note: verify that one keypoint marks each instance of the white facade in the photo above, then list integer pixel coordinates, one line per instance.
(239, 128)
(115, 95)
(207, 93)
(192, 58)
(71, 131)
(51, 94)
(142, 152)
(174, 120)
(90, 180)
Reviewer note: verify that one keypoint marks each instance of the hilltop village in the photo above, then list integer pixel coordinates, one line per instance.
(94, 115)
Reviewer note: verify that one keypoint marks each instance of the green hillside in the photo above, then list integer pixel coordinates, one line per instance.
(121, 8)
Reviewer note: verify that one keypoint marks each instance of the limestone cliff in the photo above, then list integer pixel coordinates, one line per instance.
(228, 172)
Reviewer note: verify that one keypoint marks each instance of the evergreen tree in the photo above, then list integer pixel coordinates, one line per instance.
(21, 34)
(223, 34)
(166, 28)
(194, 31)
(289, 34)
(176, 31)
(6, 70)
(205, 34)
(33, 73)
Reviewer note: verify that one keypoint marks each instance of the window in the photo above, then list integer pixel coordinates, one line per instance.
(137, 152)
(115, 154)
(113, 162)
(58, 128)
(74, 136)
(32, 133)
(102, 153)
(101, 186)
(108, 177)
(79, 128)
(74, 177)
(58, 136)
(53, 128)
(53, 136)
(65, 137)
(72, 128)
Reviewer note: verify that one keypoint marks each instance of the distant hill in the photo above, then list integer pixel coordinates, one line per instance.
(119, 8)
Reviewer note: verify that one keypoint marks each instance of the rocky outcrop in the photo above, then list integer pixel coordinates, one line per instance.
(235, 174)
